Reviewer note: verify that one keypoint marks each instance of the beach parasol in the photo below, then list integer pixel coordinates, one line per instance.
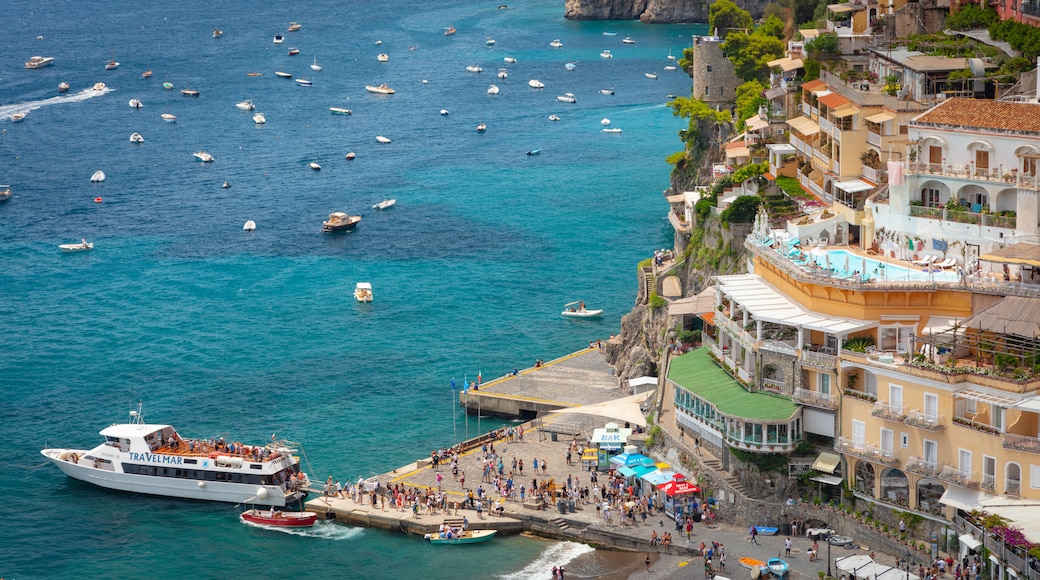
(846, 263)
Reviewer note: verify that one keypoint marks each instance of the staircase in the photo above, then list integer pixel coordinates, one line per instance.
(648, 282)
(559, 523)
(730, 481)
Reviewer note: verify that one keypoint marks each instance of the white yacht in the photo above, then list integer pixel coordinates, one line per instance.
(503, 73)
(259, 118)
(536, 84)
(363, 292)
(493, 90)
(136, 103)
(246, 105)
(567, 98)
(154, 459)
(606, 54)
(98, 176)
(39, 61)
(474, 68)
(136, 138)
(556, 43)
(203, 156)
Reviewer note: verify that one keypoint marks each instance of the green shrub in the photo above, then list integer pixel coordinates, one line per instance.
(742, 210)
(971, 16)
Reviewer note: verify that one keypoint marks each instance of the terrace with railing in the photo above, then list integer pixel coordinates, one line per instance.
(865, 451)
(970, 172)
(889, 411)
(931, 422)
(964, 216)
(815, 399)
(951, 474)
(1021, 443)
(922, 466)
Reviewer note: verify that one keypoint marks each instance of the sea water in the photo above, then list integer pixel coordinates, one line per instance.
(222, 332)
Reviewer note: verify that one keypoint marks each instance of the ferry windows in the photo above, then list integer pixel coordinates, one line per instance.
(190, 462)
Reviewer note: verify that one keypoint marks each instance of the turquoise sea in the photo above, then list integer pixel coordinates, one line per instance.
(244, 334)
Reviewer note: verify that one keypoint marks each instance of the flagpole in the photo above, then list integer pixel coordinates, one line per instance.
(454, 428)
(465, 389)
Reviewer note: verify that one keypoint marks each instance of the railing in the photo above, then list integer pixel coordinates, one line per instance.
(778, 347)
(815, 399)
(1030, 9)
(998, 549)
(922, 466)
(964, 421)
(745, 375)
(975, 173)
(889, 411)
(955, 476)
(678, 223)
(819, 360)
(716, 350)
(874, 139)
(868, 452)
(1021, 443)
(773, 385)
(1013, 486)
(875, 175)
(926, 212)
(989, 481)
(826, 126)
(862, 396)
(925, 421)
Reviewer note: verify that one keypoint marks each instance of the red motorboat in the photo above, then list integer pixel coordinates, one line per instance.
(274, 517)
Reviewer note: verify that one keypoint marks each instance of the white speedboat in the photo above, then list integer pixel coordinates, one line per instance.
(578, 310)
(474, 68)
(509, 60)
(169, 118)
(493, 90)
(80, 247)
(503, 73)
(136, 103)
(282, 74)
(339, 221)
(651, 76)
(567, 98)
(536, 84)
(5, 192)
(490, 41)
(246, 105)
(98, 176)
(304, 82)
(383, 57)
(628, 40)
(606, 54)
(363, 292)
(570, 66)
(249, 226)
(63, 87)
(554, 117)
(384, 204)
(315, 66)
(39, 61)
(380, 89)
(609, 34)
(167, 85)
(294, 27)
(18, 117)
(606, 91)
(382, 139)
(101, 86)
(314, 165)
(278, 39)
(259, 118)
(450, 30)
(444, 112)
(136, 138)
(340, 111)
(350, 155)
(154, 459)
(217, 33)
(112, 64)
(481, 128)
(612, 130)
(605, 122)
(670, 68)
(203, 156)
(556, 43)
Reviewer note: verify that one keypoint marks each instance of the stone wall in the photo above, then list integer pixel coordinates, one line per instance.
(651, 11)
(714, 81)
(786, 369)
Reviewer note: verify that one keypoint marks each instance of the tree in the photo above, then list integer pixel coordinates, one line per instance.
(822, 45)
(772, 26)
(742, 210)
(697, 111)
(724, 15)
(749, 99)
(749, 53)
(812, 70)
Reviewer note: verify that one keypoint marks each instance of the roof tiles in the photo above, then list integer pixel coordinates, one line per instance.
(984, 114)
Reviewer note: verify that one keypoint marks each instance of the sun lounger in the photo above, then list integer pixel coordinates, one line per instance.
(925, 261)
(947, 263)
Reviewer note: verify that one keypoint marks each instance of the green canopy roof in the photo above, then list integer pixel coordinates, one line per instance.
(697, 373)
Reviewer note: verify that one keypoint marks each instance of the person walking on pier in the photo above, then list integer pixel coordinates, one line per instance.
(520, 467)
(462, 480)
(754, 535)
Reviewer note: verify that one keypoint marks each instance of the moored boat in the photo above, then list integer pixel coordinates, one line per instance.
(339, 221)
(147, 74)
(154, 459)
(606, 91)
(611, 130)
(249, 226)
(39, 61)
(136, 138)
(136, 103)
(168, 86)
(97, 177)
(246, 105)
(278, 39)
(63, 87)
(282, 74)
(279, 518)
(481, 127)
(382, 139)
(606, 54)
(304, 82)
(5, 192)
(189, 92)
(493, 90)
(294, 51)
(578, 310)
(340, 111)
(554, 117)
(570, 66)
(350, 155)
(536, 84)
(203, 156)
(384, 204)
(556, 43)
(449, 31)
(669, 68)
(628, 40)
(503, 73)
(474, 68)
(217, 33)
(112, 64)
(382, 89)
(567, 98)
(315, 66)
(259, 118)
(363, 292)
(534, 152)
(651, 76)
(383, 57)
(169, 118)
(294, 26)
(455, 531)
(80, 247)
(314, 165)
(509, 59)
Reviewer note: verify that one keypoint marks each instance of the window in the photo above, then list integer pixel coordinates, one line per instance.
(895, 338)
(904, 440)
(931, 452)
(722, 91)
(895, 396)
(982, 159)
(709, 68)
(824, 384)
(964, 460)
(931, 405)
(707, 91)
(859, 433)
(1034, 476)
(930, 197)
(886, 441)
(979, 198)
(989, 471)
(934, 154)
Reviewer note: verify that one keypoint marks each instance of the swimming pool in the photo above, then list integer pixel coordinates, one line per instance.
(843, 264)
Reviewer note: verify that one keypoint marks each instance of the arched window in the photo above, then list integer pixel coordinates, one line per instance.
(1012, 479)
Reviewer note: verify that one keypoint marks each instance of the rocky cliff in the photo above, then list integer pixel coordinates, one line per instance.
(651, 11)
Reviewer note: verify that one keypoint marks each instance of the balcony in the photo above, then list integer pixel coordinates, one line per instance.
(815, 399)
(1021, 443)
(951, 474)
(773, 385)
(875, 175)
(678, 222)
(819, 360)
(889, 412)
(921, 211)
(970, 423)
(1013, 487)
(778, 347)
(970, 172)
(989, 482)
(925, 421)
(862, 396)
(922, 466)
(1030, 9)
(874, 139)
(864, 451)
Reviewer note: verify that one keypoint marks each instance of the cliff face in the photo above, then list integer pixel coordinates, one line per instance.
(651, 11)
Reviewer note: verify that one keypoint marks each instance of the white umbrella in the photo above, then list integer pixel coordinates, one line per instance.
(846, 263)
(827, 260)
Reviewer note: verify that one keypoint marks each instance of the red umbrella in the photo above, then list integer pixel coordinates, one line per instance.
(673, 488)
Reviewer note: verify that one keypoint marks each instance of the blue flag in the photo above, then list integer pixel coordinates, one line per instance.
(453, 384)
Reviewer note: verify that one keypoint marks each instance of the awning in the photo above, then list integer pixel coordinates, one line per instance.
(881, 117)
(673, 488)
(828, 479)
(769, 176)
(969, 541)
(845, 112)
(960, 498)
(738, 152)
(804, 125)
(826, 462)
(781, 148)
(853, 562)
(775, 93)
(756, 123)
(792, 64)
(708, 318)
(659, 477)
(1021, 253)
(988, 398)
(1030, 404)
(590, 455)
(680, 198)
(626, 471)
(853, 186)
(938, 324)
(641, 470)
(838, 8)
(623, 409)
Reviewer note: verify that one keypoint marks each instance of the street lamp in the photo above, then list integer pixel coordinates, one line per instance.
(828, 540)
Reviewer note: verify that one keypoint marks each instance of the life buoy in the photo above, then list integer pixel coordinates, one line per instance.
(214, 455)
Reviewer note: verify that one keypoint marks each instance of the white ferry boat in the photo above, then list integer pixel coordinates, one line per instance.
(154, 459)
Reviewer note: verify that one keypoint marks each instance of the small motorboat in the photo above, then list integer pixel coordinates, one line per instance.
(554, 117)
(225, 185)
(246, 105)
(294, 27)
(481, 128)
(413, 47)
(314, 165)
(611, 130)
(669, 67)
(536, 84)
(282, 74)
(18, 117)
(136, 138)
(294, 51)
(509, 60)
(556, 43)
(203, 156)
(254, 74)
(384, 204)
(567, 98)
(363, 292)
(609, 34)
(534, 152)
(98, 199)
(492, 90)
(490, 41)
(168, 86)
(63, 87)
(605, 122)
(279, 518)
(382, 139)
(350, 155)
(578, 310)
(339, 221)
(462, 537)
(449, 31)
(278, 39)
(474, 68)
(304, 82)
(98, 176)
(444, 112)
(189, 92)
(670, 55)
(39, 62)
(146, 74)
(651, 76)
(380, 89)
(249, 226)
(217, 33)
(5, 192)
(628, 40)
(570, 66)
(776, 567)
(259, 118)
(383, 57)
(503, 73)
(169, 118)
(315, 66)
(379, 43)
(606, 91)
(98, 86)
(136, 103)
(82, 246)
(340, 111)
(606, 54)
(110, 65)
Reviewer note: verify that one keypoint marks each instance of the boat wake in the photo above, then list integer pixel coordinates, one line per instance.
(562, 553)
(7, 110)
(321, 530)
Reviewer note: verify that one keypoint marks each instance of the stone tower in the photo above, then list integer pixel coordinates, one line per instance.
(714, 81)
